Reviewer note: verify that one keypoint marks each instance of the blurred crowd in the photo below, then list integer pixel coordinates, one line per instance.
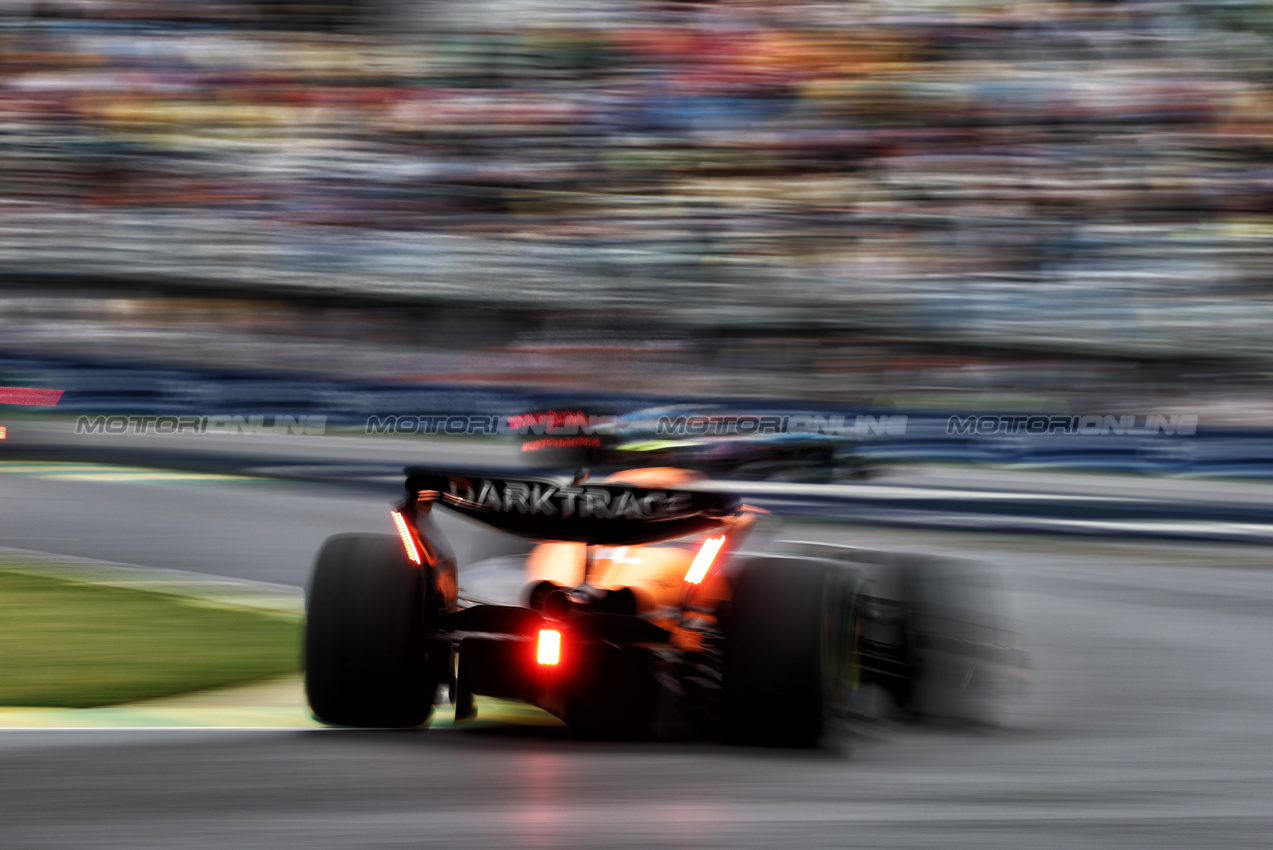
(1092, 174)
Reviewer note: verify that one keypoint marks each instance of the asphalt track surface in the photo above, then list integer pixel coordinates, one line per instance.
(1146, 722)
(1017, 498)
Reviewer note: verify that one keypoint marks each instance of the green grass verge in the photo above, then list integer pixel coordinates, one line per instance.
(72, 645)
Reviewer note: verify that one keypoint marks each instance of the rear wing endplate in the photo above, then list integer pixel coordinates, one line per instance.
(548, 509)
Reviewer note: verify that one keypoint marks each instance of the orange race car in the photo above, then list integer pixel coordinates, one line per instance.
(652, 602)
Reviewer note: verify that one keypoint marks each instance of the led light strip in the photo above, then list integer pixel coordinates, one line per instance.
(408, 542)
(703, 560)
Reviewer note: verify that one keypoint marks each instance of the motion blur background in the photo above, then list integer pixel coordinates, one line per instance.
(941, 203)
(883, 207)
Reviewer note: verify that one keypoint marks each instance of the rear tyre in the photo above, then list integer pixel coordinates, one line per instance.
(788, 651)
(366, 658)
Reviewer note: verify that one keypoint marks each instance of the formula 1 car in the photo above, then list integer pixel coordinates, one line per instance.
(653, 601)
(717, 443)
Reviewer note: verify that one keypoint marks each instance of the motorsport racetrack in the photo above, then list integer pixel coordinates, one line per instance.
(1146, 723)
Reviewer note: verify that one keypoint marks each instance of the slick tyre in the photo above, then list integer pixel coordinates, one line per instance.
(366, 658)
(788, 644)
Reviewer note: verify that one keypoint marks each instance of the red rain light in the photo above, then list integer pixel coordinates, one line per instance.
(560, 443)
(548, 650)
(703, 560)
(550, 418)
(408, 542)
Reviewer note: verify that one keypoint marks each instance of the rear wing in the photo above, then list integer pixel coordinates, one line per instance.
(549, 509)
